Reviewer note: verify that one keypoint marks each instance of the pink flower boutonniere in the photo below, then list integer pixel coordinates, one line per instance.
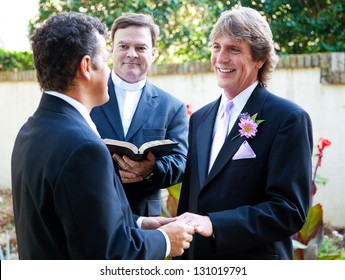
(249, 125)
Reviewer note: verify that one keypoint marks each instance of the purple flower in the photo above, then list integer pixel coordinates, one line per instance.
(249, 125)
(248, 128)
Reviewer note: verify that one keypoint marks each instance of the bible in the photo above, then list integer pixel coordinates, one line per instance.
(158, 147)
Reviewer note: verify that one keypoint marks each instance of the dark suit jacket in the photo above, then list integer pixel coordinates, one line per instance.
(68, 201)
(255, 204)
(158, 116)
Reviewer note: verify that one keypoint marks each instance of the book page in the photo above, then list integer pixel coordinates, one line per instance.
(154, 143)
(121, 144)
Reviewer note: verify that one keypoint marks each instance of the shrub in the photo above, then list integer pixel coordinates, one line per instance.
(13, 61)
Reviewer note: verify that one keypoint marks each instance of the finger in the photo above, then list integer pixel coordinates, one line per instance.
(183, 219)
(132, 180)
(164, 221)
(186, 216)
(128, 175)
(150, 156)
(177, 252)
(199, 229)
(190, 229)
(186, 245)
(189, 238)
(120, 162)
(129, 162)
(117, 158)
(125, 166)
(203, 231)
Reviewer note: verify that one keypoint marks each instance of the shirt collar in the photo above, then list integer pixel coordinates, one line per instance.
(77, 105)
(127, 86)
(241, 99)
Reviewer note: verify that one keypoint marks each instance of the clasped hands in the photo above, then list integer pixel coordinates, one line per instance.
(135, 171)
(180, 229)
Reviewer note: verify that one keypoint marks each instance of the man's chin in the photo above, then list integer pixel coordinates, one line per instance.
(104, 100)
(133, 76)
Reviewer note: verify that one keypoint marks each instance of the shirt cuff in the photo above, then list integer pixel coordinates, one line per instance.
(167, 240)
(140, 221)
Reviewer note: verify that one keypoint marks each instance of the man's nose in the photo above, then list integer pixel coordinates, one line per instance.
(131, 53)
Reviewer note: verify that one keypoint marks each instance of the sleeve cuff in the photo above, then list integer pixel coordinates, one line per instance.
(167, 241)
(140, 221)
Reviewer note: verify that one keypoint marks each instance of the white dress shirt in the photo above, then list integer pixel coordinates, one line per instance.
(128, 96)
(238, 104)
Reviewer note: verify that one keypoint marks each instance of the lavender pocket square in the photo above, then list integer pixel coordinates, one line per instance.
(244, 151)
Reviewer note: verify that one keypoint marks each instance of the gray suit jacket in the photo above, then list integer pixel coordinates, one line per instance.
(159, 115)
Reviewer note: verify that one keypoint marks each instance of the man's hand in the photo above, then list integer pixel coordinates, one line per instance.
(180, 235)
(135, 171)
(201, 224)
(155, 222)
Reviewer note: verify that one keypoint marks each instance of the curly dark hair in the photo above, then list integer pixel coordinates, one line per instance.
(59, 45)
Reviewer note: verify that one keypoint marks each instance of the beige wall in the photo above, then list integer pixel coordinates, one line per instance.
(18, 100)
(325, 103)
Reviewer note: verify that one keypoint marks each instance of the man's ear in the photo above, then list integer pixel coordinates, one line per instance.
(154, 53)
(85, 67)
(260, 63)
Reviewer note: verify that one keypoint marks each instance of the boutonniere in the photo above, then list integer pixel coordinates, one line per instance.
(249, 125)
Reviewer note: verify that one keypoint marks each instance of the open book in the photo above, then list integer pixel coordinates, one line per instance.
(158, 147)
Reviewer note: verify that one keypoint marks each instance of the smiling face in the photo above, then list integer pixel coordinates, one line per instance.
(132, 53)
(233, 64)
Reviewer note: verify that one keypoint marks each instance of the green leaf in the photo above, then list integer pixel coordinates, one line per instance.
(259, 121)
(312, 225)
(329, 257)
(175, 191)
(254, 117)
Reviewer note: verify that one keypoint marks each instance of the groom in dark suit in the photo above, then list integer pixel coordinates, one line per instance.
(68, 201)
(248, 195)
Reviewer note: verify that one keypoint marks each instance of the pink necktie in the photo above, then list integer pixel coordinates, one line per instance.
(222, 131)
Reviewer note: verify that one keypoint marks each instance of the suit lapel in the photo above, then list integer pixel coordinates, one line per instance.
(112, 112)
(144, 110)
(204, 140)
(254, 105)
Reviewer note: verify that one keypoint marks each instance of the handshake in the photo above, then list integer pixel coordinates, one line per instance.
(180, 229)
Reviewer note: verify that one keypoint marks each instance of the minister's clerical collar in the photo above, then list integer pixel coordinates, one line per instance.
(127, 86)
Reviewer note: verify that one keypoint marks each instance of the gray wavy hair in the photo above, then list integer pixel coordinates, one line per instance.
(247, 24)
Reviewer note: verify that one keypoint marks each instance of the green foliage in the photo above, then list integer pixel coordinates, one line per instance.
(184, 24)
(310, 235)
(170, 206)
(313, 224)
(13, 61)
(310, 243)
(332, 247)
(307, 26)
